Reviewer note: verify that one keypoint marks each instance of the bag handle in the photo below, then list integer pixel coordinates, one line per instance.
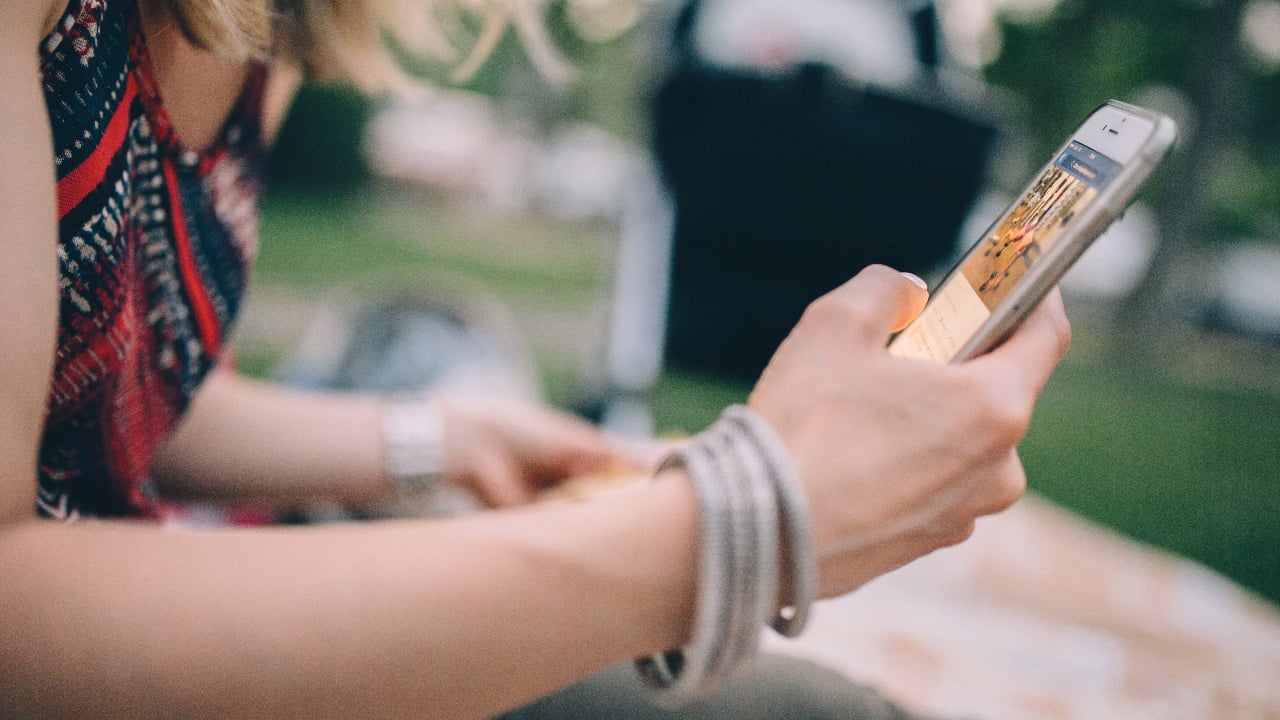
(924, 29)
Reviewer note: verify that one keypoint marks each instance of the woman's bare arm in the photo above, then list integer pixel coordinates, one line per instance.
(256, 441)
(443, 619)
(28, 273)
(244, 440)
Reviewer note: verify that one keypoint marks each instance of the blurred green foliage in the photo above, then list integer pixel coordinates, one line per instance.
(1155, 52)
(1062, 65)
(320, 145)
(607, 92)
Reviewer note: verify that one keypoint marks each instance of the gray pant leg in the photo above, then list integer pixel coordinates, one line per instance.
(773, 687)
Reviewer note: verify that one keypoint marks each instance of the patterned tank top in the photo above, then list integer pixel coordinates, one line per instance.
(154, 244)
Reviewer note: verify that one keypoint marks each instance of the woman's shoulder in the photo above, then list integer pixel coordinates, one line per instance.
(28, 23)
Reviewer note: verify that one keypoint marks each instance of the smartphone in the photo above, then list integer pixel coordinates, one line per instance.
(1087, 185)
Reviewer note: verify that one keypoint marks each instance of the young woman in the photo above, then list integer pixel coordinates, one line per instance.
(131, 145)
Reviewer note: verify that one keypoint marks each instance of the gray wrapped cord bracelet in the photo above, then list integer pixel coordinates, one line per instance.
(751, 507)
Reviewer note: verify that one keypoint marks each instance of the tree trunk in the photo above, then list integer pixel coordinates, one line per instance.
(1175, 283)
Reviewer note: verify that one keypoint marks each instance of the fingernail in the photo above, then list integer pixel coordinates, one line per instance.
(916, 280)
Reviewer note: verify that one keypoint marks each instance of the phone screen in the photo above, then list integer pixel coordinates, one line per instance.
(967, 298)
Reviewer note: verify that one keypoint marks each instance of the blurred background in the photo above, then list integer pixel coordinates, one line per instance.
(640, 220)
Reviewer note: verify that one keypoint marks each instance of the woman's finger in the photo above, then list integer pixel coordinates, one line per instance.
(1025, 360)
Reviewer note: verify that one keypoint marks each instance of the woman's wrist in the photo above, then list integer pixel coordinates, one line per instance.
(413, 443)
(675, 528)
(753, 530)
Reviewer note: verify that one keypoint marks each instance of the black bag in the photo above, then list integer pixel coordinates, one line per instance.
(786, 185)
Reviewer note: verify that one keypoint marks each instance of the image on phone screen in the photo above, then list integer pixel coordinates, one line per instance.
(997, 264)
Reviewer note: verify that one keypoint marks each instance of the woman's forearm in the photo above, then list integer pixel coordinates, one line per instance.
(244, 440)
(247, 440)
(458, 618)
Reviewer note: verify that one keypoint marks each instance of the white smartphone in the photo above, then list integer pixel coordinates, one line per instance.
(1086, 186)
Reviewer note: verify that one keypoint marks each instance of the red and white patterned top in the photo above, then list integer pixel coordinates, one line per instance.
(154, 245)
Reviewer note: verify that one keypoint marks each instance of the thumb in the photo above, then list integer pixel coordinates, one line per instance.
(498, 481)
(879, 301)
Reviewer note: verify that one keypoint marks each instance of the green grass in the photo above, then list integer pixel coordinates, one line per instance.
(1193, 468)
(1178, 446)
(312, 241)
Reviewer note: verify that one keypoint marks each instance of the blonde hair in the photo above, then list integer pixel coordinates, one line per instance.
(348, 39)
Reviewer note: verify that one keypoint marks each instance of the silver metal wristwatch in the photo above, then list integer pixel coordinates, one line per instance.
(413, 443)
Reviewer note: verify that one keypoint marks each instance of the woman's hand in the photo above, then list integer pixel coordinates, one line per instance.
(899, 457)
(505, 451)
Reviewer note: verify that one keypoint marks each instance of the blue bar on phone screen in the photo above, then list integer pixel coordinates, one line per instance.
(1090, 166)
